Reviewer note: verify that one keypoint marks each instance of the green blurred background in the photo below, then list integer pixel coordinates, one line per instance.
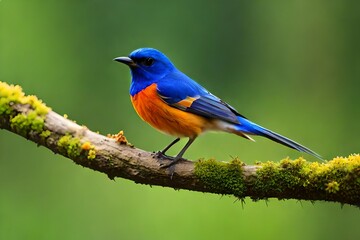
(291, 66)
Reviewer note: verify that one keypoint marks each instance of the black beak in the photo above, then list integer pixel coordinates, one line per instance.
(126, 60)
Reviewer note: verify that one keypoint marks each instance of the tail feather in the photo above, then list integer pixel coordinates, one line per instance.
(248, 127)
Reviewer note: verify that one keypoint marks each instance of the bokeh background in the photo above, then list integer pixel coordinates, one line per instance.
(291, 66)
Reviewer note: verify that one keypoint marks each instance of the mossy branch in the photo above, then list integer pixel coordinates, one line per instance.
(337, 180)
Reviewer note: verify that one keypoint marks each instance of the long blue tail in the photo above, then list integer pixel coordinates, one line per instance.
(251, 128)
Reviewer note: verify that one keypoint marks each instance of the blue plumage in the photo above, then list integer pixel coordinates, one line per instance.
(176, 86)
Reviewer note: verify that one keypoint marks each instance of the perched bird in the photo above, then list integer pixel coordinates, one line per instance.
(175, 104)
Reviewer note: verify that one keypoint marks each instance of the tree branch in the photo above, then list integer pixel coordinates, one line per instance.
(337, 180)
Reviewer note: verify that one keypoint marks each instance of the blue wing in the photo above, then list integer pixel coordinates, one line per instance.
(181, 92)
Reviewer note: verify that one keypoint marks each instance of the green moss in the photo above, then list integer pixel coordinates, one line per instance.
(225, 178)
(277, 178)
(335, 180)
(72, 147)
(9, 94)
(45, 134)
(69, 146)
(34, 120)
(23, 123)
(332, 187)
(298, 178)
(20, 122)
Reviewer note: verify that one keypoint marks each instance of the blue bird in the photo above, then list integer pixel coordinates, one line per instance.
(173, 103)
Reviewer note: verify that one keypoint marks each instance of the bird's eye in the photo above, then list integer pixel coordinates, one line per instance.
(148, 61)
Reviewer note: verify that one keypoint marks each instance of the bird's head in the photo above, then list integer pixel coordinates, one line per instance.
(147, 64)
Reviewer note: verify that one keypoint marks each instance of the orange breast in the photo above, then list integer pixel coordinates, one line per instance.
(153, 110)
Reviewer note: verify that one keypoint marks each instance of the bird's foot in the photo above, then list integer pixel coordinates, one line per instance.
(161, 156)
(169, 164)
(169, 160)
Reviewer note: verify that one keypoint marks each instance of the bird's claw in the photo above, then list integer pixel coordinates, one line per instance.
(169, 164)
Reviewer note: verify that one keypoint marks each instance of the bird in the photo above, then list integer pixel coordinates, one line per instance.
(176, 105)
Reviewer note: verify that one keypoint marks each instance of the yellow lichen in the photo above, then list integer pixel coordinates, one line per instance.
(11, 94)
(91, 154)
(120, 138)
(87, 146)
